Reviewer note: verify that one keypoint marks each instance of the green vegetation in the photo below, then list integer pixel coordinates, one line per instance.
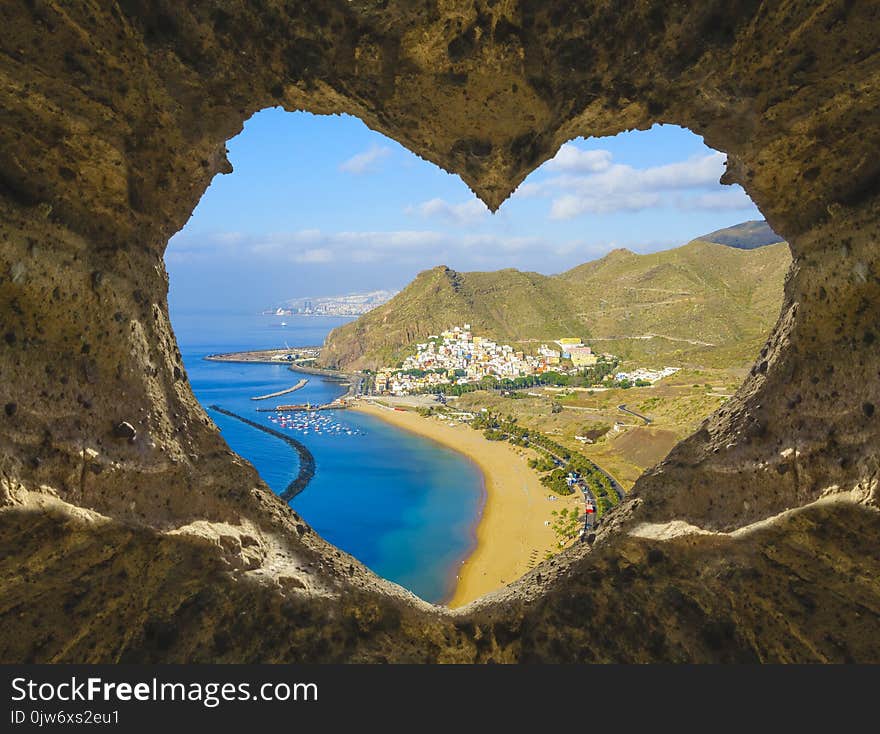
(556, 462)
(591, 376)
(675, 406)
(555, 482)
(566, 524)
(541, 464)
(599, 372)
(704, 303)
(421, 373)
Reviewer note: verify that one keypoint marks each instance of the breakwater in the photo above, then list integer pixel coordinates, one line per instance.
(306, 460)
(302, 383)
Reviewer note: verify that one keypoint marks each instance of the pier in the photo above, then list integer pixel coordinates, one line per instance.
(301, 384)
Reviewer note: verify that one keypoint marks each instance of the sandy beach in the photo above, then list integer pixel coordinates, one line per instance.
(511, 535)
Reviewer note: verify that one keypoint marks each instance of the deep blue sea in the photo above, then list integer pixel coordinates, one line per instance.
(403, 505)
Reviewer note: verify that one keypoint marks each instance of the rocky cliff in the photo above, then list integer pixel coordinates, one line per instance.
(129, 531)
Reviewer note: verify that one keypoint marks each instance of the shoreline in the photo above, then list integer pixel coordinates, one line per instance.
(269, 356)
(510, 535)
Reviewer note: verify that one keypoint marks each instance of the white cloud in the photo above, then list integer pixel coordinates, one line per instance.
(314, 255)
(590, 182)
(488, 244)
(572, 159)
(569, 205)
(620, 179)
(730, 198)
(414, 249)
(230, 238)
(694, 172)
(468, 212)
(280, 243)
(365, 256)
(315, 247)
(365, 162)
(395, 240)
(311, 246)
(528, 189)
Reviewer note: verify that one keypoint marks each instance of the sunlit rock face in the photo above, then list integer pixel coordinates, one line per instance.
(130, 532)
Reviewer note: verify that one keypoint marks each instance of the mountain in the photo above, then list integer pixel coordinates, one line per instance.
(745, 236)
(506, 304)
(702, 303)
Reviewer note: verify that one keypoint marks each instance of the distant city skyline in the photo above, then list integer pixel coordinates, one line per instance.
(345, 304)
(324, 205)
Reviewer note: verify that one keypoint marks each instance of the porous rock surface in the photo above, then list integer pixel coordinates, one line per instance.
(130, 532)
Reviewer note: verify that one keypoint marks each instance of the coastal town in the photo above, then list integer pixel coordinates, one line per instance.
(458, 356)
(352, 304)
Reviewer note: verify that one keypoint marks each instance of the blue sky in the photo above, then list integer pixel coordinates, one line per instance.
(324, 205)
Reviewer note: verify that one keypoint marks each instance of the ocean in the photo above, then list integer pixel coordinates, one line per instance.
(404, 506)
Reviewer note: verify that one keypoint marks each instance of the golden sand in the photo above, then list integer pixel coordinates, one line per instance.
(511, 536)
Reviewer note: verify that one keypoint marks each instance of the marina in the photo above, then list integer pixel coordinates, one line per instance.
(307, 423)
(338, 404)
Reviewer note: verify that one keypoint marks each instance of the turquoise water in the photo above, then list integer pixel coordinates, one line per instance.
(403, 505)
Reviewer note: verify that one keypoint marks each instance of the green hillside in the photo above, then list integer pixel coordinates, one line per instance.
(702, 303)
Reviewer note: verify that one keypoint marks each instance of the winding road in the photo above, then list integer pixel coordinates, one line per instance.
(615, 485)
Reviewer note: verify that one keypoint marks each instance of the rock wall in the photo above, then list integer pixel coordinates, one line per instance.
(129, 531)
